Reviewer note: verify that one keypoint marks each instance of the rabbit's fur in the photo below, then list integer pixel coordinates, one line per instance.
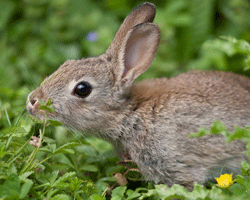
(151, 120)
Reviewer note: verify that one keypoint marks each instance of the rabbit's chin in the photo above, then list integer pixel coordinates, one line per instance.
(40, 114)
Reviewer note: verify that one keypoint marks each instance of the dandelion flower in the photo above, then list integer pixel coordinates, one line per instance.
(225, 180)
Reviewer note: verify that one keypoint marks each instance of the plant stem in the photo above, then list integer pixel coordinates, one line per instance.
(45, 159)
(30, 162)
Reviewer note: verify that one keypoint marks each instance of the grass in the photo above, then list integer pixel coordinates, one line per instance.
(43, 160)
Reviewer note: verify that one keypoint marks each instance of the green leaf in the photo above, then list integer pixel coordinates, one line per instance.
(53, 177)
(200, 192)
(89, 188)
(25, 175)
(46, 108)
(244, 182)
(219, 45)
(54, 123)
(201, 133)
(51, 193)
(49, 102)
(217, 128)
(95, 197)
(14, 130)
(69, 151)
(2, 152)
(118, 192)
(89, 168)
(35, 119)
(150, 193)
(215, 193)
(245, 168)
(230, 46)
(48, 140)
(11, 187)
(41, 102)
(26, 188)
(66, 148)
(64, 178)
(176, 191)
(237, 189)
(61, 197)
(40, 166)
(132, 194)
(240, 133)
(45, 149)
(240, 46)
(51, 148)
(75, 184)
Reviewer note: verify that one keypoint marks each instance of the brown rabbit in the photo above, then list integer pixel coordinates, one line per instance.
(150, 120)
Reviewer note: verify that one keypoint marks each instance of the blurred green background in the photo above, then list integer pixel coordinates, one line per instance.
(37, 36)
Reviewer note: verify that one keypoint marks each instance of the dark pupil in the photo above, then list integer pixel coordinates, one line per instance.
(83, 89)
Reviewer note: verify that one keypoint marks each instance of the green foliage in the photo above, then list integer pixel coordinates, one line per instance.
(36, 37)
(24, 172)
(230, 46)
(159, 192)
(219, 128)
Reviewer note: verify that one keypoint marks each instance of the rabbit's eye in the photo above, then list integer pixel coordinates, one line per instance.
(83, 89)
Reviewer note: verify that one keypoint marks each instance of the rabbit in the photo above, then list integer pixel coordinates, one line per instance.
(150, 120)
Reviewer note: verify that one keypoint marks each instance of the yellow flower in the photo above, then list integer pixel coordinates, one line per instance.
(225, 180)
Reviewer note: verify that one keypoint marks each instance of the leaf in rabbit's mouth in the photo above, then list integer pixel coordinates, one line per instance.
(46, 106)
(44, 113)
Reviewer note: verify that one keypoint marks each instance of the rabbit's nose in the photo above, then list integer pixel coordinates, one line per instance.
(32, 103)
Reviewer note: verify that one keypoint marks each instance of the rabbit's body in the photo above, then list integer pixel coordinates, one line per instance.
(168, 110)
(150, 120)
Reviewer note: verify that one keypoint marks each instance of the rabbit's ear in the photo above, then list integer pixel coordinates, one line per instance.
(137, 52)
(142, 14)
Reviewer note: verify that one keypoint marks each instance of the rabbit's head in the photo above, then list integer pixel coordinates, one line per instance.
(92, 93)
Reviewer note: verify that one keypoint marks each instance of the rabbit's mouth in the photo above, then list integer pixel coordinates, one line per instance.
(35, 108)
(40, 114)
